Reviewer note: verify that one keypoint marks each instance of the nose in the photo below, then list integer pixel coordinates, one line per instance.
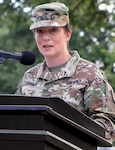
(46, 36)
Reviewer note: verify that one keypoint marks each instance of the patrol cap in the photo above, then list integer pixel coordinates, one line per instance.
(50, 14)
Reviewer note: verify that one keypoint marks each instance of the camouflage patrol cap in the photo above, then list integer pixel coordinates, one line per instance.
(50, 14)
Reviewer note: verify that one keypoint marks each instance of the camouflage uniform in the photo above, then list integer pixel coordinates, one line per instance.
(78, 82)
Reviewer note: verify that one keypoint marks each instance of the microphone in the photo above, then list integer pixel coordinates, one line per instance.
(25, 57)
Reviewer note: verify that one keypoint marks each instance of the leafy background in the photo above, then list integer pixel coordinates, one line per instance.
(93, 23)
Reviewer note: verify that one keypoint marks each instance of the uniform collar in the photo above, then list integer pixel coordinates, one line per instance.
(65, 72)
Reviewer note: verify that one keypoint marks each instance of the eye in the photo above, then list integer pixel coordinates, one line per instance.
(38, 30)
(53, 30)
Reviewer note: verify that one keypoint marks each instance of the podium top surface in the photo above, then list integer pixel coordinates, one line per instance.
(55, 106)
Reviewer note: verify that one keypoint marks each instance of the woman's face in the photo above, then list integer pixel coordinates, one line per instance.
(51, 41)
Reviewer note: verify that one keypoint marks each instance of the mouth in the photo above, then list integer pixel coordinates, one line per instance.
(47, 46)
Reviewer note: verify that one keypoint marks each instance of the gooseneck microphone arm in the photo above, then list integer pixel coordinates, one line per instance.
(5, 54)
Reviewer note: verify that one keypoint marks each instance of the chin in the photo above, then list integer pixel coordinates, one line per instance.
(49, 55)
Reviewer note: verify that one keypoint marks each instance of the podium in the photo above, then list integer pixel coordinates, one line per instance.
(39, 123)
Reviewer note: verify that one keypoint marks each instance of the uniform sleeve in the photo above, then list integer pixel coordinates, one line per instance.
(19, 89)
(99, 102)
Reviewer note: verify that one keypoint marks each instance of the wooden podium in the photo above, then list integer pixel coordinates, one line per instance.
(39, 123)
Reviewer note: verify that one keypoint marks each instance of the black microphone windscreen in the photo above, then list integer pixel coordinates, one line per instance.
(27, 58)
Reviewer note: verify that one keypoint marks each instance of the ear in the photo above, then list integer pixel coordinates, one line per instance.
(68, 35)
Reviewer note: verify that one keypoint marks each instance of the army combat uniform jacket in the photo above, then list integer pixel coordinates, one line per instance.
(78, 82)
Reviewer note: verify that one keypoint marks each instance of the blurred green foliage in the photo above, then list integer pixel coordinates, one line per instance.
(93, 35)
